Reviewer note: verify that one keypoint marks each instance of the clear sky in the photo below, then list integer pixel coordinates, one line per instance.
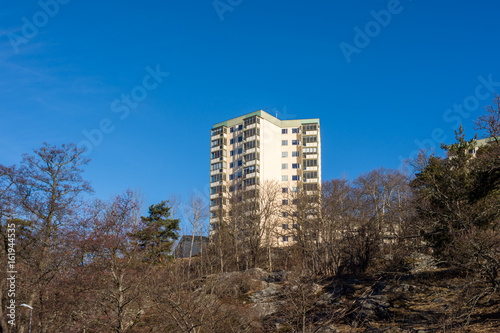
(383, 77)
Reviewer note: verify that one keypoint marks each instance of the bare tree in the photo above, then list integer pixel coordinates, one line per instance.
(489, 123)
(45, 191)
(196, 213)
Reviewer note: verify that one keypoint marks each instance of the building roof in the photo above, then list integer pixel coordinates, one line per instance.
(268, 117)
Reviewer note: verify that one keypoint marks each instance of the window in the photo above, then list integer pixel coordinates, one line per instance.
(295, 153)
(310, 163)
(284, 166)
(295, 226)
(239, 174)
(295, 130)
(295, 142)
(284, 178)
(284, 202)
(251, 144)
(284, 226)
(284, 154)
(296, 177)
(216, 178)
(285, 238)
(218, 153)
(249, 169)
(218, 142)
(232, 129)
(295, 201)
(232, 141)
(312, 150)
(216, 202)
(284, 190)
(310, 127)
(216, 166)
(240, 162)
(240, 150)
(240, 127)
(308, 139)
(217, 189)
(284, 142)
(250, 132)
(251, 157)
(218, 131)
(232, 153)
(295, 165)
(310, 174)
(284, 214)
(295, 189)
(250, 181)
(251, 120)
(284, 131)
(310, 187)
(231, 177)
(231, 165)
(240, 138)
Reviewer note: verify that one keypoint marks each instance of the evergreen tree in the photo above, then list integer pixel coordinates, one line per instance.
(158, 233)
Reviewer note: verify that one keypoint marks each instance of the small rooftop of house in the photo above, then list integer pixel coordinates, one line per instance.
(483, 142)
(268, 117)
(183, 248)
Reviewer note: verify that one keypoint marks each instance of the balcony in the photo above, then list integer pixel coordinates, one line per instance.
(252, 150)
(311, 180)
(214, 219)
(250, 175)
(311, 133)
(217, 159)
(217, 148)
(215, 172)
(251, 126)
(214, 208)
(219, 182)
(219, 136)
(251, 138)
(218, 195)
(311, 168)
(311, 144)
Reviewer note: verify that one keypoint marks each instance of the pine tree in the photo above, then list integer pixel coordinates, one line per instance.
(158, 233)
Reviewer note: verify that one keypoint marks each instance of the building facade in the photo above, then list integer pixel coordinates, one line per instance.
(253, 148)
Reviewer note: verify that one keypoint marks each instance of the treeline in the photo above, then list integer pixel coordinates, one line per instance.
(92, 265)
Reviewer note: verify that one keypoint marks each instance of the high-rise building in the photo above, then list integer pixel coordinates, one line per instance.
(253, 148)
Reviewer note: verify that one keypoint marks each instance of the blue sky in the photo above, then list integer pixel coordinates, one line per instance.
(67, 68)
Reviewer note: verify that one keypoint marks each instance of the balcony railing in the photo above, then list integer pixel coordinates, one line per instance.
(215, 148)
(214, 172)
(252, 150)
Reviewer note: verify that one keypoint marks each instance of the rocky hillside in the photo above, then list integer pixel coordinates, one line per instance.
(431, 300)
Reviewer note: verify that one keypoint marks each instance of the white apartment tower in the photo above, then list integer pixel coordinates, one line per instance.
(247, 150)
